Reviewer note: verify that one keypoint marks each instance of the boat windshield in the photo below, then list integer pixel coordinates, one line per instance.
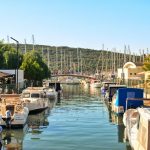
(35, 95)
(26, 95)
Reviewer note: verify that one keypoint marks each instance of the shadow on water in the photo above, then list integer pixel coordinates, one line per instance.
(118, 121)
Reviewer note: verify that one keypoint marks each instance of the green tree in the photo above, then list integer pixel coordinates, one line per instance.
(10, 59)
(8, 56)
(146, 65)
(34, 67)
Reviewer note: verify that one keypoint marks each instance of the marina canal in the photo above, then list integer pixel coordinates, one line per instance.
(80, 120)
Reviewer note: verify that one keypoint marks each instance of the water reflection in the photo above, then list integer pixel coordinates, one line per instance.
(39, 120)
(80, 121)
(72, 90)
(13, 139)
(118, 121)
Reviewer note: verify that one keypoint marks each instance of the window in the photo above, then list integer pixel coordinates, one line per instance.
(26, 95)
(35, 95)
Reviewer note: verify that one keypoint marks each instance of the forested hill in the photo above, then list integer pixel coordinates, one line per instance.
(79, 59)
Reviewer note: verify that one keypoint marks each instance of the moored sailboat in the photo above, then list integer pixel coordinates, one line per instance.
(137, 123)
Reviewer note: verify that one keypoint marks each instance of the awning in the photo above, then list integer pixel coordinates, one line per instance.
(5, 75)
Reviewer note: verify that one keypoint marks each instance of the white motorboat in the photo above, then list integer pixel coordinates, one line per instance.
(137, 122)
(35, 99)
(19, 113)
(51, 93)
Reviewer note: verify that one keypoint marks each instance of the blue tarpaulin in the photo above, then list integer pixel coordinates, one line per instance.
(124, 93)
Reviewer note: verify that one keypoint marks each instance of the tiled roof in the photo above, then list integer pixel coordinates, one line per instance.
(3, 74)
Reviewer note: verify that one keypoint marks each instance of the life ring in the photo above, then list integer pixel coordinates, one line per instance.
(18, 108)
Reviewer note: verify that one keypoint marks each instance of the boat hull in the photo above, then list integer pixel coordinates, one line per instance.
(18, 119)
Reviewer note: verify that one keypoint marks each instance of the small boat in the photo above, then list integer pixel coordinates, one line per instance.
(119, 99)
(35, 99)
(137, 123)
(105, 86)
(111, 91)
(53, 89)
(96, 83)
(19, 113)
(51, 94)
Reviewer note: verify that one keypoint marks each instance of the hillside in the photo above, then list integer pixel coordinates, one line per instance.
(64, 59)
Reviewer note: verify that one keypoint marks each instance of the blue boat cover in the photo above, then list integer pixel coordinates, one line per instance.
(124, 93)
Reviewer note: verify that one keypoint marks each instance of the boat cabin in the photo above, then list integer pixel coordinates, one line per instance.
(119, 99)
(52, 84)
(33, 93)
(112, 90)
(105, 86)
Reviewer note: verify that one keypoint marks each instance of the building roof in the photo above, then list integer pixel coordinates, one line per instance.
(132, 65)
(4, 75)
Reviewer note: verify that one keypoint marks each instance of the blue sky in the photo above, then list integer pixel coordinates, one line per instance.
(78, 23)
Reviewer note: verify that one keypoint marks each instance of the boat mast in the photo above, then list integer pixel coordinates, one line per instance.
(81, 60)
(8, 39)
(42, 52)
(25, 46)
(102, 61)
(56, 60)
(61, 62)
(48, 49)
(33, 41)
(70, 62)
(64, 61)
(143, 55)
(78, 58)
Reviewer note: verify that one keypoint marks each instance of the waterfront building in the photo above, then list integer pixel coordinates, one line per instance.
(130, 71)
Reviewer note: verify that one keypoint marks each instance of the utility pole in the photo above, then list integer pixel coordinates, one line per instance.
(17, 64)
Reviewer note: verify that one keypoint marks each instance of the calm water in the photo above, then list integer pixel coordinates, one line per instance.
(80, 121)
